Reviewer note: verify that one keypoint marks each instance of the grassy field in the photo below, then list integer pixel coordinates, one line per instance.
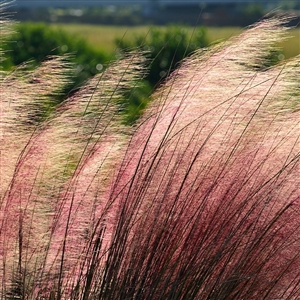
(199, 200)
(103, 37)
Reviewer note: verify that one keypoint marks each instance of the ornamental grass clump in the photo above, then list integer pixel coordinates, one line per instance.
(198, 200)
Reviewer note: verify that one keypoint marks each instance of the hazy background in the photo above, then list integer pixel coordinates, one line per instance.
(123, 12)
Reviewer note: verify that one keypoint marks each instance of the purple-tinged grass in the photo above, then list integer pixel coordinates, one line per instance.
(200, 200)
(47, 183)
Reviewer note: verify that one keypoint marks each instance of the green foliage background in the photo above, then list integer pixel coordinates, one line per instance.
(34, 42)
(164, 47)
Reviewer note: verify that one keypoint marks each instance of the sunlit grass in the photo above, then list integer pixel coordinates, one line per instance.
(198, 200)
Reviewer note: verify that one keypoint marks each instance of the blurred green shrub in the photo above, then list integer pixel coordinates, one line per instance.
(35, 41)
(135, 101)
(165, 48)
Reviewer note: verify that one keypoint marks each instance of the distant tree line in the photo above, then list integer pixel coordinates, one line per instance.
(212, 15)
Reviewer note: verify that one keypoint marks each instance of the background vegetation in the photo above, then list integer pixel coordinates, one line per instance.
(191, 14)
(34, 42)
(104, 37)
(90, 47)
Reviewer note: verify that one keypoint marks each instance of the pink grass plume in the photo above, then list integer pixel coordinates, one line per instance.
(198, 200)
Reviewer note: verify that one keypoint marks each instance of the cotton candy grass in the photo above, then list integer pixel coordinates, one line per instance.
(199, 200)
